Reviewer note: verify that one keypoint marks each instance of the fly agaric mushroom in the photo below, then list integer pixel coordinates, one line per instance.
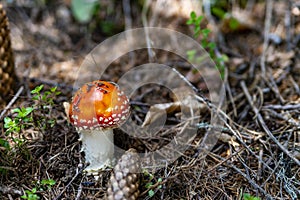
(96, 109)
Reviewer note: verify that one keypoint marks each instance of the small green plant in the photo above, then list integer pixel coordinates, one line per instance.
(44, 102)
(25, 117)
(247, 196)
(19, 122)
(30, 194)
(203, 34)
(45, 99)
(45, 184)
(48, 183)
(151, 182)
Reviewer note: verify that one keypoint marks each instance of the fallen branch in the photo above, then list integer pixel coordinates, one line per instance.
(12, 101)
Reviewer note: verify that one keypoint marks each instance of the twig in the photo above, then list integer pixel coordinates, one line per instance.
(269, 7)
(264, 126)
(272, 85)
(224, 119)
(245, 145)
(12, 101)
(283, 107)
(74, 177)
(145, 24)
(128, 26)
(287, 23)
(79, 191)
(8, 190)
(227, 86)
(251, 181)
(296, 86)
(255, 185)
(290, 120)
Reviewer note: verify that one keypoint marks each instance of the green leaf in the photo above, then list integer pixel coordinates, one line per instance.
(191, 52)
(197, 29)
(83, 10)
(205, 32)
(204, 43)
(53, 89)
(191, 55)
(7, 120)
(50, 182)
(193, 15)
(45, 95)
(5, 144)
(33, 190)
(148, 185)
(211, 45)
(37, 89)
(218, 12)
(233, 23)
(151, 193)
(35, 97)
(199, 20)
(25, 112)
(159, 181)
(107, 27)
(16, 110)
(190, 22)
(247, 196)
(200, 59)
(223, 58)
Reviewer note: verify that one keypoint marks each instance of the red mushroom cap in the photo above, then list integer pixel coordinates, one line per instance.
(98, 105)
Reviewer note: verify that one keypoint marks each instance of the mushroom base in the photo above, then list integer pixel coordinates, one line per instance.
(98, 147)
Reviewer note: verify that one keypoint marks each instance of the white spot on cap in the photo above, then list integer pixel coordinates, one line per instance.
(95, 120)
(116, 119)
(100, 119)
(82, 121)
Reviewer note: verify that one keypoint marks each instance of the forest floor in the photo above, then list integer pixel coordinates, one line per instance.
(258, 132)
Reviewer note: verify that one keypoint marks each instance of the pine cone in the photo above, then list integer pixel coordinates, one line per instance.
(124, 181)
(7, 72)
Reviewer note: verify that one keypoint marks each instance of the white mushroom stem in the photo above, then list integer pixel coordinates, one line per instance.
(98, 146)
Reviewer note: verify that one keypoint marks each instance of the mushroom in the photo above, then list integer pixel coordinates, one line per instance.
(96, 109)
